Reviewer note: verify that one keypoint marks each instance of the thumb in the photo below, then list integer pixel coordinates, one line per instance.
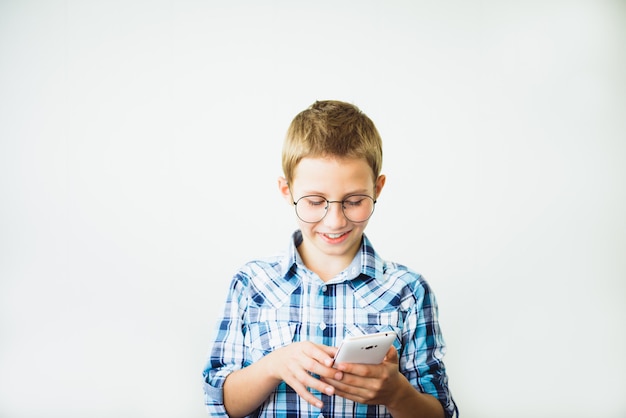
(392, 355)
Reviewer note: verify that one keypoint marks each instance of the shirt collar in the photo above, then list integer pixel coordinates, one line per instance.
(366, 261)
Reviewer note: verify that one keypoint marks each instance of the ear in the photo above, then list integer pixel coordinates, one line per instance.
(283, 188)
(380, 183)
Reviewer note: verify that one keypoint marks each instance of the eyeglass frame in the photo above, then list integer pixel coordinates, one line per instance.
(328, 202)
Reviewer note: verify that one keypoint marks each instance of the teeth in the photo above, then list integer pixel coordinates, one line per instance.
(333, 235)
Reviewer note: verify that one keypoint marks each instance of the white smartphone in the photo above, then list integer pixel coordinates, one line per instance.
(365, 349)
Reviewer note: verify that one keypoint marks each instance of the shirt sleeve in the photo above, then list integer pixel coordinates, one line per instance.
(227, 353)
(424, 348)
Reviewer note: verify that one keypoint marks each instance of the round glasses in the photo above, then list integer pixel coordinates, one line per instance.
(313, 208)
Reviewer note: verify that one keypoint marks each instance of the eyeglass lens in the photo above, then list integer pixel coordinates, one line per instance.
(356, 208)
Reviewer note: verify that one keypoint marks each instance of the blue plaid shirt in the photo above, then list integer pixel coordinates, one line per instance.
(274, 302)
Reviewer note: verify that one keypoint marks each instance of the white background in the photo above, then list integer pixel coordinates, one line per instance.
(139, 151)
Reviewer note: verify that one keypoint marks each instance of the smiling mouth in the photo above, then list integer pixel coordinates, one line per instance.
(335, 236)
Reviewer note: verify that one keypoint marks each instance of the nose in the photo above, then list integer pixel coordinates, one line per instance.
(334, 215)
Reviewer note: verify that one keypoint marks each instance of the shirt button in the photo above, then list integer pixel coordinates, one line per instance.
(324, 288)
(322, 326)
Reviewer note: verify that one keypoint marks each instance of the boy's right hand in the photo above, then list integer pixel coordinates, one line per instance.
(296, 363)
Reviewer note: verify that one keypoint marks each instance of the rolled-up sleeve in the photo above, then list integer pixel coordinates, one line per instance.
(227, 353)
(422, 357)
(214, 395)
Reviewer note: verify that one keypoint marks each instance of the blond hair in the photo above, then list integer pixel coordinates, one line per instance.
(332, 128)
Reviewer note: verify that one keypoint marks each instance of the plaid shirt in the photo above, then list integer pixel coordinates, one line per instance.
(274, 302)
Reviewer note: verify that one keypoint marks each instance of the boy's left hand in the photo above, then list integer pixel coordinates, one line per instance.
(373, 384)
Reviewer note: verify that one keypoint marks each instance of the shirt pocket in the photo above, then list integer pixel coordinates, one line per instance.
(264, 337)
(367, 322)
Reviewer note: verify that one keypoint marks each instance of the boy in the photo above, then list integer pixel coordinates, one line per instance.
(284, 316)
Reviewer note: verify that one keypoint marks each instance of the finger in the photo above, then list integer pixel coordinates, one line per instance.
(348, 382)
(324, 370)
(320, 361)
(330, 351)
(303, 373)
(303, 392)
(392, 355)
(317, 384)
(324, 354)
(354, 393)
(301, 381)
(356, 369)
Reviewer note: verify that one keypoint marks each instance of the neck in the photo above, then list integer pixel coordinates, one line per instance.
(325, 266)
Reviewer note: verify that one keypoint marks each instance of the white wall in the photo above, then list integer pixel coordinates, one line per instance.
(139, 151)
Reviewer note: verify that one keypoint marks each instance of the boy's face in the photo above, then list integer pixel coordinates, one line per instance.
(334, 239)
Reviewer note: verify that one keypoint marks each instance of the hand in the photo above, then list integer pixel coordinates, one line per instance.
(369, 384)
(294, 364)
